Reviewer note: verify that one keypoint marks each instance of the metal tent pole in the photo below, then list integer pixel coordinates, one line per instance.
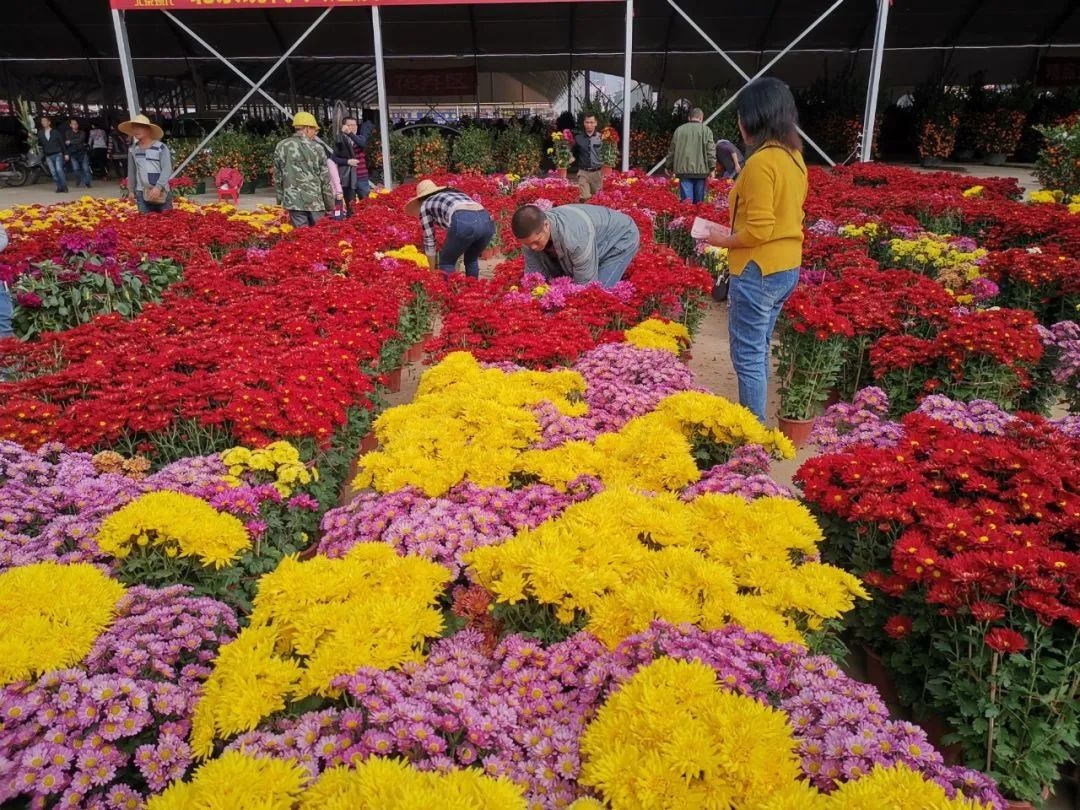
(876, 58)
(127, 69)
(221, 124)
(626, 90)
(384, 104)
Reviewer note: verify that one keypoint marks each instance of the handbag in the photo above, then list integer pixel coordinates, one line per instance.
(720, 287)
(154, 195)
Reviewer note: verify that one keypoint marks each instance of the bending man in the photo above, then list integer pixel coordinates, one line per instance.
(584, 242)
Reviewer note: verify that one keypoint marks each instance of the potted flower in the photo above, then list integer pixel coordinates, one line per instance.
(562, 150)
(969, 558)
(181, 186)
(1058, 163)
(473, 151)
(998, 133)
(609, 149)
(810, 355)
(938, 120)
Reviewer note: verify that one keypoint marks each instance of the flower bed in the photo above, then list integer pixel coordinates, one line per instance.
(963, 519)
(578, 562)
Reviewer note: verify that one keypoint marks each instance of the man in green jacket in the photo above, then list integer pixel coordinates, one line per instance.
(692, 156)
(301, 177)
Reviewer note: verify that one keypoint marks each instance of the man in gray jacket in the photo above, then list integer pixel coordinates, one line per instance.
(587, 243)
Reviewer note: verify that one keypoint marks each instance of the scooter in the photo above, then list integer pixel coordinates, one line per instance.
(18, 170)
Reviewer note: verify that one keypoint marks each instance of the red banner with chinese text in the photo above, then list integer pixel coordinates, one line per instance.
(233, 5)
(431, 83)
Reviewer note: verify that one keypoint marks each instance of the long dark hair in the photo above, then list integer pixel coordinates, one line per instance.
(767, 111)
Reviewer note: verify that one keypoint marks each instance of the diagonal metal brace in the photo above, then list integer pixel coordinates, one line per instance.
(747, 77)
(221, 124)
(187, 29)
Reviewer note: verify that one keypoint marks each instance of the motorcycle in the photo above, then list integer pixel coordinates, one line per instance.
(18, 170)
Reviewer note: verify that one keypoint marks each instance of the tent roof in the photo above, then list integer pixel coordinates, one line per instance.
(73, 41)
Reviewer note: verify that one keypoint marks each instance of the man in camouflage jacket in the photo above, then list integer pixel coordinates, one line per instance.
(301, 177)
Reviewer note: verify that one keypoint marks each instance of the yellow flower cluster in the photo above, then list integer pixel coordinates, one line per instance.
(280, 461)
(932, 251)
(390, 784)
(1074, 204)
(465, 422)
(236, 780)
(472, 423)
(974, 191)
(1045, 196)
(953, 268)
(51, 615)
(625, 559)
(869, 230)
(655, 452)
(408, 253)
(657, 334)
(88, 213)
(240, 780)
(180, 525)
(312, 622)
(671, 737)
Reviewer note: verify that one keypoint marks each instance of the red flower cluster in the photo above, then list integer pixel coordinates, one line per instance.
(980, 526)
(481, 322)
(268, 349)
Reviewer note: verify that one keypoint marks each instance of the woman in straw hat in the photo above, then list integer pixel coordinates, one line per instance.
(469, 228)
(149, 165)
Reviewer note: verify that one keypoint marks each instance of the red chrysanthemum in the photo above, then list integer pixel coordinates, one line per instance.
(898, 627)
(1004, 640)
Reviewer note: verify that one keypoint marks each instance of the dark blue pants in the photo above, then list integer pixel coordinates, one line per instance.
(470, 232)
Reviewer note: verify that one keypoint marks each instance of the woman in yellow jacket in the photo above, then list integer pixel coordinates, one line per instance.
(766, 238)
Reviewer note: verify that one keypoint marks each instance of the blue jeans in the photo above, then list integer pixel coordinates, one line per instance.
(613, 266)
(754, 303)
(80, 166)
(469, 233)
(55, 164)
(692, 189)
(5, 311)
(152, 208)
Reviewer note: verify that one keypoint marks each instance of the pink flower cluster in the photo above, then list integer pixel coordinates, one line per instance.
(745, 474)
(444, 529)
(556, 292)
(622, 383)
(83, 737)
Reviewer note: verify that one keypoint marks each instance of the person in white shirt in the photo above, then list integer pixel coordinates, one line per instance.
(99, 150)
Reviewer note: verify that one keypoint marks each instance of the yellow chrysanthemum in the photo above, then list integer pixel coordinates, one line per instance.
(238, 781)
(51, 615)
(178, 524)
(624, 560)
(1046, 196)
(408, 253)
(465, 423)
(896, 788)
(656, 334)
(312, 622)
(869, 230)
(670, 737)
(279, 461)
(974, 191)
(390, 784)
